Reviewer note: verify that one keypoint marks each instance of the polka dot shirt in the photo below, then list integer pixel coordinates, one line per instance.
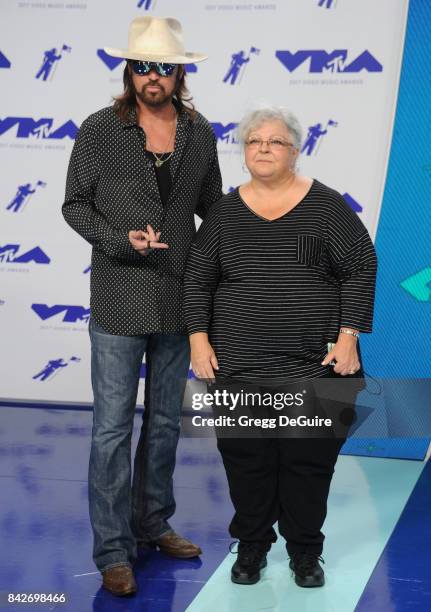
(111, 189)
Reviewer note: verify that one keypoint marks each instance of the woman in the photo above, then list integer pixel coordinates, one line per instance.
(279, 268)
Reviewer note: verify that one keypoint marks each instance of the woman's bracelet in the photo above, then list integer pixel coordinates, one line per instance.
(350, 332)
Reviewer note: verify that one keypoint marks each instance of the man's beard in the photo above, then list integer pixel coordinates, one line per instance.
(159, 98)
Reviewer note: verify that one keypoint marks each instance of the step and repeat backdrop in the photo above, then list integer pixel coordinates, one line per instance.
(335, 63)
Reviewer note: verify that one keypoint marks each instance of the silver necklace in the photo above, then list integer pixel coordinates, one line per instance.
(159, 161)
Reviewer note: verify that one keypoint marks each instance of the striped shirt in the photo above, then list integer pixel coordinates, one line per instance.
(272, 294)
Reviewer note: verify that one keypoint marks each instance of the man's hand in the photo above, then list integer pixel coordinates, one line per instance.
(142, 241)
(203, 357)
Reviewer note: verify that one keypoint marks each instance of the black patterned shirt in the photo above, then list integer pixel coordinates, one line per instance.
(111, 189)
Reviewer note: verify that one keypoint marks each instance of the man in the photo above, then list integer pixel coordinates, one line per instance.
(138, 173)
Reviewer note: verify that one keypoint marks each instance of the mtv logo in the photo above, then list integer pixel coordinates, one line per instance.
(9, 251)
(225, 133)
(108, 60)
(4, 62)
(322, 61)
(41, 128)
(72, 314)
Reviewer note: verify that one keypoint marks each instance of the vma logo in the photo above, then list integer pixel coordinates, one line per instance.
(225, 133)
(50, 61)
(10, 254)
(22, 196)
(71, 314)
(53, 367)
(38, 128)
(238, 65)
(4, 62)
(321, 61)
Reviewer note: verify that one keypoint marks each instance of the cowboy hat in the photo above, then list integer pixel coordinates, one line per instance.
(156, 39)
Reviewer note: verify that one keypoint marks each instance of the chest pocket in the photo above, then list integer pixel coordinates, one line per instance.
(309, 249)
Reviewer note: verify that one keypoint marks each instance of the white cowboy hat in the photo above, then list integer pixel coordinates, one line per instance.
(156, 39)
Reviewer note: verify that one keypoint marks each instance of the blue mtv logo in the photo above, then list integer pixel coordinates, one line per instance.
(27, 127)
(53, 367)
(10, 254)
(51, 57)
(71, 314)
(334, 61)
(4, 62)
(22, 196)
(225, 133)
(314, 136)
(238, 65)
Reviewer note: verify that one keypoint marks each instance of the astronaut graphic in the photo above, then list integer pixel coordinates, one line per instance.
(22, 196)
(315, 133)
(49, 62)
(53, 367)
(237, 63)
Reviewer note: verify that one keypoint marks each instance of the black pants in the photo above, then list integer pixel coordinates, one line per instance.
(281, 479)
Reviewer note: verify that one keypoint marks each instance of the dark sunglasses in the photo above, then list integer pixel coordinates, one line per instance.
(161, 68)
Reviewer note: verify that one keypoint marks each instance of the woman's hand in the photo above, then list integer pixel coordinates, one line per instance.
(203, 358)
(345, 354)
(142, 241)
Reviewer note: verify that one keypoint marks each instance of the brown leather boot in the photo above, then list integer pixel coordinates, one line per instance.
(119, 580)
(175, 545)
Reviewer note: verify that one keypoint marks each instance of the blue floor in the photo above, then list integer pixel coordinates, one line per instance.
(46, 536)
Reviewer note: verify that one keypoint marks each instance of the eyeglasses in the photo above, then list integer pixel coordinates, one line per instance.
(272, 143)
(161, 68)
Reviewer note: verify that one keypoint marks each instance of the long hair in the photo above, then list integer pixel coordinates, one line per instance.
(127, 100)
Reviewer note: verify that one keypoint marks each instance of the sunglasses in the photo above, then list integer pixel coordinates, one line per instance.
(161, 68)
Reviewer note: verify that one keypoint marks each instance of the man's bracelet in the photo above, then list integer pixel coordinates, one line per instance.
(350, 332)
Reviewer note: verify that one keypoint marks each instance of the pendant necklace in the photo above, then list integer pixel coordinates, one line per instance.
(159, 161)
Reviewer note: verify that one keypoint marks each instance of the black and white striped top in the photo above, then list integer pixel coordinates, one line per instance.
(272, 294)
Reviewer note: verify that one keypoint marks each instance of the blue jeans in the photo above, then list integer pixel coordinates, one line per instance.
(123, 514)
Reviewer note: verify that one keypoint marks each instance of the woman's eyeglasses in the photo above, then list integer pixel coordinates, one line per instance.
(161, 68)
(272, 143)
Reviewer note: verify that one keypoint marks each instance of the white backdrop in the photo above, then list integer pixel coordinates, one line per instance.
(333, 63)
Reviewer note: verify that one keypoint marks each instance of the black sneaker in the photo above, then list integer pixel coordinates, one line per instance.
(307, 570)
(251, 559)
